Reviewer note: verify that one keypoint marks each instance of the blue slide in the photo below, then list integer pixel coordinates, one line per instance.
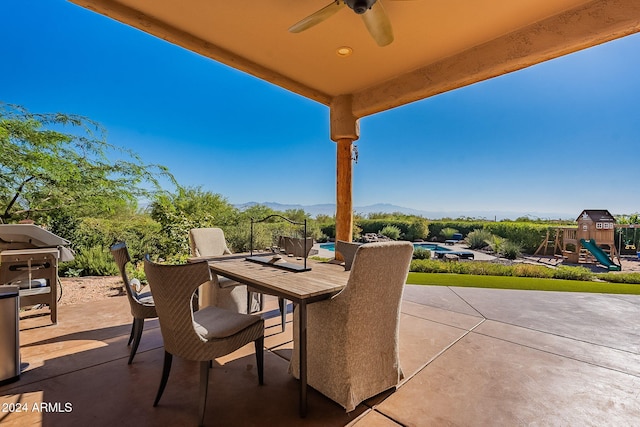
(600, 255)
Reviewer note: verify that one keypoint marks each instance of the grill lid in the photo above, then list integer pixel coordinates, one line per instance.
(29, 236)
(37, 237)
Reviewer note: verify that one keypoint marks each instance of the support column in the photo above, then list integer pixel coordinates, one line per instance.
(344, 187)
(344, 130)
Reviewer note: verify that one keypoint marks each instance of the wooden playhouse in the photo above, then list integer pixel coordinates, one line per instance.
(592, 241)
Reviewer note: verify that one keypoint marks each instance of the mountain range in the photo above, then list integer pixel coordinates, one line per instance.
(330, 209)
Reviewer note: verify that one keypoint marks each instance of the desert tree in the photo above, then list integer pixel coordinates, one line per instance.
(56, 161)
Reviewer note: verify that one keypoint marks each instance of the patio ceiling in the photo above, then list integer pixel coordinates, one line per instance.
(439, 45)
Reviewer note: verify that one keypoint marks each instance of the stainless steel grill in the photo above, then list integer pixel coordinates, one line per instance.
(29, 257)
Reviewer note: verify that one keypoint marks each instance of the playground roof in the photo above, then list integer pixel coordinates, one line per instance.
(597, 215)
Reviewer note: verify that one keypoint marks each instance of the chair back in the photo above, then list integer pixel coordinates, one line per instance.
(207, 242)
(295, 245)
(122, 258)
(173, 287)
(374, 290)
(348, 252)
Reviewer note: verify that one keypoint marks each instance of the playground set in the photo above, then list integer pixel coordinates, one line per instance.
(593, 240)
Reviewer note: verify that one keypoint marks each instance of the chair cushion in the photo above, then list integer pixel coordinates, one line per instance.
(145, 298)
(215, 322)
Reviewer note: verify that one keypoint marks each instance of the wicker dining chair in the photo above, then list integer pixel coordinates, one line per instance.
(203, 335)
(296, 246)
(220, 291)
(225, 292)
(352, 338)
(141, 304)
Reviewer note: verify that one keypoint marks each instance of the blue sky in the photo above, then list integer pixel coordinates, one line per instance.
(555, 138)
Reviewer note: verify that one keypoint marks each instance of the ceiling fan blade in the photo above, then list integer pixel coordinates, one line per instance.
(317, 17)
(378, 24)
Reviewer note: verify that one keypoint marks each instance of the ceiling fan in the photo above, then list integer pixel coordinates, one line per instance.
(373, 14)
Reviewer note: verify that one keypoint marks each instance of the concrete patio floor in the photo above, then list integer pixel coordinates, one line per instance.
(471, 357)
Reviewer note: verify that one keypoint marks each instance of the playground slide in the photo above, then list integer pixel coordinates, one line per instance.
(600, 255)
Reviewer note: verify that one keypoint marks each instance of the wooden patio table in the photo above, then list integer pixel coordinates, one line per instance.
(321, 282)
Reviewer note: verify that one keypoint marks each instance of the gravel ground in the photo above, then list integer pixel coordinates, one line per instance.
(77, 290)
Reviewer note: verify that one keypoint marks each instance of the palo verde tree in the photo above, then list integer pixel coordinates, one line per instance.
(188, 207)
(54, 161)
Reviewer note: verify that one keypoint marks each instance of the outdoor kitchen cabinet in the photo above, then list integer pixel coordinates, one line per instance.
(29, 256)
(23, 267)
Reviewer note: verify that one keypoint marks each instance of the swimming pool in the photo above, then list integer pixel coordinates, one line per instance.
(430, 246)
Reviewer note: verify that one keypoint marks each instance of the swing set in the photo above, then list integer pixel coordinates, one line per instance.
(627, 243)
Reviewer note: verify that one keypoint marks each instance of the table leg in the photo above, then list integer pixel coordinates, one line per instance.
(302, 308)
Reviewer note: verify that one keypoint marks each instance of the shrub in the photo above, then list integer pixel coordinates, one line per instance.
(495, 243)
(463, 227)
(329, 230)
(529, 270)
(239, 237)
(92, 261)
(141, 233)
(421, 253)
(572, 273)
(428, 266)
(448, 232)
(510, 250)
(417, 230)
(488, 269)
(136, 271)
(477, 239)
(391, 231)
(411, 228)
(527, 234)
(630, 278)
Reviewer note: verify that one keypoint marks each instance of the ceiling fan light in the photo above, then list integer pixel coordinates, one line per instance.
(360, 6)
(344, 51)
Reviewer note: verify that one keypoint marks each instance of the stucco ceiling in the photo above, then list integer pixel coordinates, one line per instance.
(439, 45)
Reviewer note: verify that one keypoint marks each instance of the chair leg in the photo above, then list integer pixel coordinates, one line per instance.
(133, 328)
(204, 387)
(138, 326)
(282, 303)
(259, 343)
(166, 368)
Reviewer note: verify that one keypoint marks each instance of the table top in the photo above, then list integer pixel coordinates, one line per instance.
(322, 281)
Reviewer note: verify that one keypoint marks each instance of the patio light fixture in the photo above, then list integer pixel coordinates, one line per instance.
(344, 51)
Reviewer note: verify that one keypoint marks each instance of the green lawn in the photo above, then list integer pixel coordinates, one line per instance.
(525, 283)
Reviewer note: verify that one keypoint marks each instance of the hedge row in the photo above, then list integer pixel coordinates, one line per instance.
(410, 229)
(520, 270)
(527, 234)
(493, 269)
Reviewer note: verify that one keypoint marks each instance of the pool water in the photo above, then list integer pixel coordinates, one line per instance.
(430, 246)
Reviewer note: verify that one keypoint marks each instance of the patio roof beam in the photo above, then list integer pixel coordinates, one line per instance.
(186, 40)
